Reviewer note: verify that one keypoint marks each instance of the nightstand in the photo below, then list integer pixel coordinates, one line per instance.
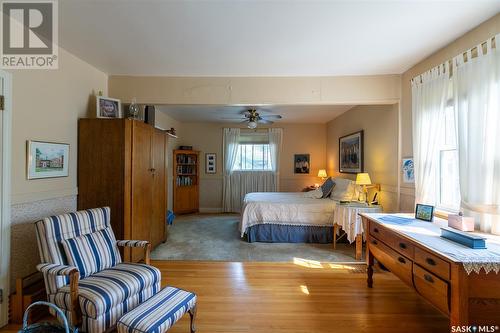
(309, 188)
(346, 216)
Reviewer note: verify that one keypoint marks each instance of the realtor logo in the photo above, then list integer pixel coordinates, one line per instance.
(29, 34)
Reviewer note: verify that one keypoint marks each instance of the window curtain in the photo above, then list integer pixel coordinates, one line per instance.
(476, 93)
(275, 146)
(429, 98)
(238, 183)
(230, 142)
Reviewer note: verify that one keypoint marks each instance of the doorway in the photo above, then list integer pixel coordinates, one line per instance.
(5, 161)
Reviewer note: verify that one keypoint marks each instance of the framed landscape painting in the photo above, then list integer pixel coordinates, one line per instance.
(351, 153)
(47, 159)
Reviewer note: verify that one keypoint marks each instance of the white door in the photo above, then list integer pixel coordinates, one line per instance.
(5, 160)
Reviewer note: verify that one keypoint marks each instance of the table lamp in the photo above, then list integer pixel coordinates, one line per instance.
(322, 174)
(364, 179)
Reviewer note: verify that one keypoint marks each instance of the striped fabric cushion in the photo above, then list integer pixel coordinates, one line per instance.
(103, 291)
(158, 313)
(92, 252)
(52, 230)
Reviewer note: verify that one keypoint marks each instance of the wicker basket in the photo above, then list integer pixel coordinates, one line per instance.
(46, 327)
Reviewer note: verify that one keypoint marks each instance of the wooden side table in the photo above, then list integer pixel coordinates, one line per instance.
(347, 217)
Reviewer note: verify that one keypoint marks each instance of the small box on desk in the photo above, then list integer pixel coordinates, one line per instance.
(461, 222)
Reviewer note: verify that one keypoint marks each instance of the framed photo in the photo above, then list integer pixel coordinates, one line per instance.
(408, 170)
(424, 212)
(351, 153)
(108, 107)
(47, 159)
(210, 163)
(302, 163)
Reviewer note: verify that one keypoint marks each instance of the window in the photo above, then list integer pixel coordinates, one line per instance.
(253, 157)
(449, 187)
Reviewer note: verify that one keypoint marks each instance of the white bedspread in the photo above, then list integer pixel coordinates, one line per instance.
(285, 208)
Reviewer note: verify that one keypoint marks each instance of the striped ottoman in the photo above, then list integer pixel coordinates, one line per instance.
(160, 312)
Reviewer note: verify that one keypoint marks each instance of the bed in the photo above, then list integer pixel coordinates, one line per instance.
(290, 217)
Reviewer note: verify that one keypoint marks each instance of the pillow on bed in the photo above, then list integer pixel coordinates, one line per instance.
(315, 194)
(343, 190)
(327, 187)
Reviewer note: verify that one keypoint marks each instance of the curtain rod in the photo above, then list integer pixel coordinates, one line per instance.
(448, 64)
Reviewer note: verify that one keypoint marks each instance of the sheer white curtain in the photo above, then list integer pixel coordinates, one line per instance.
(238, 183)
(230, 142)
(275, 146)
(429, 98)
(476, 85)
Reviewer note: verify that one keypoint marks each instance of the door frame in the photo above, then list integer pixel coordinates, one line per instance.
(5, 195)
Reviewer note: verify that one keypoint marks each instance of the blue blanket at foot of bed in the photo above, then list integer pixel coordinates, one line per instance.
(276, 233)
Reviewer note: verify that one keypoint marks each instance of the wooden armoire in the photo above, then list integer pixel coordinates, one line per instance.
(122, 164)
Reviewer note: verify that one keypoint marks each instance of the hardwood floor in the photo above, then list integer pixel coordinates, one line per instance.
(304, 297)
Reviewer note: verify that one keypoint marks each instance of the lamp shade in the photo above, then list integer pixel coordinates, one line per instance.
(322, 173)
(363, 179)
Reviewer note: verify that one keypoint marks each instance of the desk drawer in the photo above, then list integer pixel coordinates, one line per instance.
(390, 238)
(432, 288)
(398, 264)
(432, 263)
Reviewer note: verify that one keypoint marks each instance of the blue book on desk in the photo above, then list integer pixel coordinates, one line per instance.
(469, 240)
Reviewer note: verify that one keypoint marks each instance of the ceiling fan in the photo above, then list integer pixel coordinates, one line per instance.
(253, 118)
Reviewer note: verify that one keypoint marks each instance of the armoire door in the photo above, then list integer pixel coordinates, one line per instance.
(142, 182)
(158, 220)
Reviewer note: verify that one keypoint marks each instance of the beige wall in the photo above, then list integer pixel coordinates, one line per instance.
(351, 90)
(46, 107)
(380, 126)
(381, 89)
(297, 139)
(472, 38)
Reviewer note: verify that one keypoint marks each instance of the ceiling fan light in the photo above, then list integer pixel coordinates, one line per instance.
(252, 124)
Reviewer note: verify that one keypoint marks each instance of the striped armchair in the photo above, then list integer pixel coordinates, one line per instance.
(83, 271)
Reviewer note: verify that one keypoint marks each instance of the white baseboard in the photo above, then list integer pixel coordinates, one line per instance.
(210, 210)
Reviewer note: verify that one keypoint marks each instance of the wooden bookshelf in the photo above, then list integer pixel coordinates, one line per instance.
(186, 179)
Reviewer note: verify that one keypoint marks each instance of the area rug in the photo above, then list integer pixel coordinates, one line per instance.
(216, 237)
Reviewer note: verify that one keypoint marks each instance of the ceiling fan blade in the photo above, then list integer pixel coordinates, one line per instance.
(232, 118)
(264, 110)
(271, 116)
(264, 121)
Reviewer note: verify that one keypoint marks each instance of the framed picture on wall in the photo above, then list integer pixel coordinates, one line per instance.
(408, 170)
(302, 163)
(351, 153)
(108, 107)
(47, 159)
(210, 163)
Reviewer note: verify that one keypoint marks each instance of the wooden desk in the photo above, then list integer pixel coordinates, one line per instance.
(413, 252)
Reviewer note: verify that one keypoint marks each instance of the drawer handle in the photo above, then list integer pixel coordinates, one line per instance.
(402, 246)
(375, 230)
(430, 261)
(428, 278)
(402, 260)
(374, 242)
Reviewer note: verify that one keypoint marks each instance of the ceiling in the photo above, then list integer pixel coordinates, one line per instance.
(263, 38)
(291, 113)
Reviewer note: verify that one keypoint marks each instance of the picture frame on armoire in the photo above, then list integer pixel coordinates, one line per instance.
(351, 153)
